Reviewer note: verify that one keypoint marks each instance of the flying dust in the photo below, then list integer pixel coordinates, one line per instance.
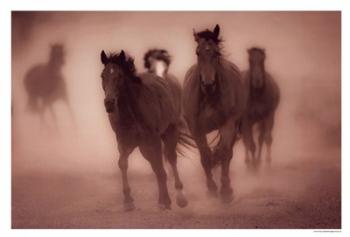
(64, 164)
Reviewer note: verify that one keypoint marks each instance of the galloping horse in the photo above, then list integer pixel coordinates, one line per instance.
(157, 62)
(214, 99)
(263, 99)
(143, 113)
(45, 84)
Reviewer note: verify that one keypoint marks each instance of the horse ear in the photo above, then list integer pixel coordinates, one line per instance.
(195, 35)
(122, 56)
(216, 31)
(104, 58)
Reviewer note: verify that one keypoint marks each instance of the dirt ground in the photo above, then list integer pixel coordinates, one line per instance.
(301, 193)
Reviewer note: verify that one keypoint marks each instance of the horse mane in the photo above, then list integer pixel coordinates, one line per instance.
(125, 61)
(209, 35)
(160, 54)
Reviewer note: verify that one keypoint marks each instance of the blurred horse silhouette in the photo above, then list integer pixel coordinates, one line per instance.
(157, 61)
(263, 99)
(45, 85)
(214, 99)
(143, 113)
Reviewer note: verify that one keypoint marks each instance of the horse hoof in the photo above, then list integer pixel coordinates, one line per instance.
(163, 206)
(226, 199)
(129, 206)
(181, 201)
(213, 193)
(226, 195)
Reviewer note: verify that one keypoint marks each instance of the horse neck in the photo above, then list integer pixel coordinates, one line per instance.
(128, 108)
(54, 67)
(253, 73)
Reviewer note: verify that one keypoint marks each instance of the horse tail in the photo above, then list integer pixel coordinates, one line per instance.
(185, 139)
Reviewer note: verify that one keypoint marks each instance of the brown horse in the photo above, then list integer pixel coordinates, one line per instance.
(45, 84)
(157, 62)
(143, 113)
(263, 99)
(214, 99)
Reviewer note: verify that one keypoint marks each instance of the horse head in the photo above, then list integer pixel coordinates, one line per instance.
(119, 71)
(57, 55)
(157, 61)
(208, 55)
(257, 67)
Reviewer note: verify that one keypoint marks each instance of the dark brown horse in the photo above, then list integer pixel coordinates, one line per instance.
(263, 99)
(143, 113)
(214, 99)
(157, 62)
(45, 84)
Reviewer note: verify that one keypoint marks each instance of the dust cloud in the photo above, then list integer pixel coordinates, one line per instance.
(69, 165)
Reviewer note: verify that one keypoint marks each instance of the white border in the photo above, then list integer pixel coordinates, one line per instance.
(226, 5)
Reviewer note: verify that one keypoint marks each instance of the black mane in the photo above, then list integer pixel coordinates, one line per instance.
(160, 54)
(209, 35)
(125, 61)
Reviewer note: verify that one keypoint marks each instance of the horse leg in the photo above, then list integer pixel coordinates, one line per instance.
(249, 144)
(261, 139)
(53, 115)
(124, 152)
(70, 112)
(224, 151)
(152, 151)
(205, 154)
(268, 137)
(170, 139)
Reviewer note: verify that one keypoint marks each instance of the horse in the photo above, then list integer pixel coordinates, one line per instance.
(143, 113)
(157, 61)
(263, 99)
(214, 99)
(45, 84)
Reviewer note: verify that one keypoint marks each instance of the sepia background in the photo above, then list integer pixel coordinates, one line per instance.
(65, 173)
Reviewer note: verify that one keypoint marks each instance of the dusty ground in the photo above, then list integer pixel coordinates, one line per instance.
(304, 193)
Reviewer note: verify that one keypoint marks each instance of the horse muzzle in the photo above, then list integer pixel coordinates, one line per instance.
(209, 87)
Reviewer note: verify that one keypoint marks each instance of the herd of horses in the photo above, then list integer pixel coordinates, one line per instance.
(153, 112)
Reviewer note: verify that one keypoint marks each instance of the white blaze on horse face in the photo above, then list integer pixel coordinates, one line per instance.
(110, 83)
(159, 67)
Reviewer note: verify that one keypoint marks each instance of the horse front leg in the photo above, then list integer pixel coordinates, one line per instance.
(268, 136)
(205, 154)
(151, 149)
(124, 152)
(261, 139)
(249, 144)
(170, 139)
(224, 153)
